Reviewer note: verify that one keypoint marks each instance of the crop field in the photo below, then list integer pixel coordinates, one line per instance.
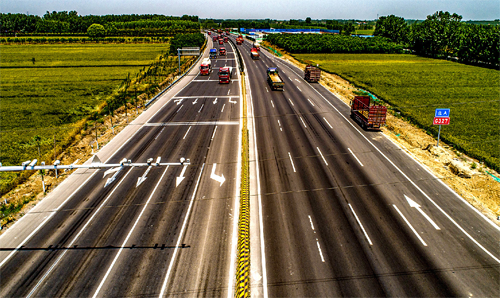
(64, 84)
(416, 86)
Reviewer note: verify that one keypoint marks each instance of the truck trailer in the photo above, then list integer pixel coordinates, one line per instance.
(274, 79)
(369, 115)
(312, 74)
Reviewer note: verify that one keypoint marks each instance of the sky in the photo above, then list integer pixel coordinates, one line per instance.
(263, 9)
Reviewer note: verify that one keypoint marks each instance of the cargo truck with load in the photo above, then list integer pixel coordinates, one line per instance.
(274, 79)
(239, 40)
(213, 53)
(254, 54)
(205, 67)
(312, 74)
(225, 74)
(369, 115)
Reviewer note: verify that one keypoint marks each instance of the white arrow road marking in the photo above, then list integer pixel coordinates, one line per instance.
(327, 122)
(179, 179)
(220, 179)
(195, 101)
(415, 205)
(113, 178)
(143, 177)
(215, 101)
(178, 101)
(411, 227)
(232, 101)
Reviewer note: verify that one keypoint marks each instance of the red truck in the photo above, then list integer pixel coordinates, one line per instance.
(225, 39)
(214, 38)
(364, 111)
(312, 74)
(222, 51)
(220, 41)
(254, 53)
(239, 40)
(225, 75)
(205, 67)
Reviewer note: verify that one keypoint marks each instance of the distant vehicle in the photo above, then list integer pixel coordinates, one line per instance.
(254, 54)
(222, 51)
(214, 38)
(274, 79)
(225, 74)
(220, 41)
(312, 74)
(370, 116)
(219, 31)
(257, 46)
(209, 33)
(239, 40)
(213, 53)
(226, 39)
(205, 67)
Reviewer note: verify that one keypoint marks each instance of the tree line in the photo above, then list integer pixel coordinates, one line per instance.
(444, 35)
(333, 43)
(71, 22)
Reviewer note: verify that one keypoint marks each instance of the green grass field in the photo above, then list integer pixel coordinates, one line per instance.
(416, 86)
(65, 84)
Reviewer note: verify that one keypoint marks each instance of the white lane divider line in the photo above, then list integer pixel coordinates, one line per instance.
(128, 236)
(299, 89)
(279, 123)
(411, 227)
(310, 102)
(201, 107)
(272, 103)
(267, 89)
(181, 235)
(159, 133)
(355, 156)
(312, 226)
(303, 122)
(186, 133)
(293, 166)
(320, 252)
(228, 91)
(223, 108)
(322, 155)
(213, 135)
(77, 236)
(327, 122)
(179, 109)
(298, 80)
(361, 225)
(290, 79)
(291, 102)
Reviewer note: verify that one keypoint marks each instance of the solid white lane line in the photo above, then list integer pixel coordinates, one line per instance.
(360, 224)
(299, 89)
(312, 226)
(129, 234)
(159, 133)
(179, 109)
(322, 155)
(291, 102)
(327, 122)
(187, 133)
(201, 107)
(181, 235)
(292, 162)
(320, 252)
(77, 235)
(213, 135)
(310, 102)
(303, 122)
(355, 156)
(411, 227)
(223, 108)
(272, 103)
(198, 123)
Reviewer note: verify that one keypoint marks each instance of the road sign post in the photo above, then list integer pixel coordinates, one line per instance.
(441, 117)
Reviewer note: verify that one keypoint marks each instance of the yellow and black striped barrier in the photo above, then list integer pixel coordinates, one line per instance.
(243, 267)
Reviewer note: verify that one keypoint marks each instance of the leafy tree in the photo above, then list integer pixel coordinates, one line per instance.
(348, 29)
(308, 20)
(392, 27)
(96, 30)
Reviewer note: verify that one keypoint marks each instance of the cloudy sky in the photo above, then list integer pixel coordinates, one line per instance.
(262, 9)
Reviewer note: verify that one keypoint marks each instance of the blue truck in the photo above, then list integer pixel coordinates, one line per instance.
(213, 53)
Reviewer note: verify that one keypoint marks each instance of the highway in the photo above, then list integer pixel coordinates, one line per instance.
(345, 212)
(159, 231)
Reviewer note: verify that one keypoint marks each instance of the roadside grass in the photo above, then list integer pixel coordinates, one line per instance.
(415, 86)
(67, 84)
(364, 32)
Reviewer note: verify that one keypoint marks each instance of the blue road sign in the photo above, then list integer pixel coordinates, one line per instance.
(442, 113)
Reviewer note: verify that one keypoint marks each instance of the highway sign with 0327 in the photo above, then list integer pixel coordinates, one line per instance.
(441, 121)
